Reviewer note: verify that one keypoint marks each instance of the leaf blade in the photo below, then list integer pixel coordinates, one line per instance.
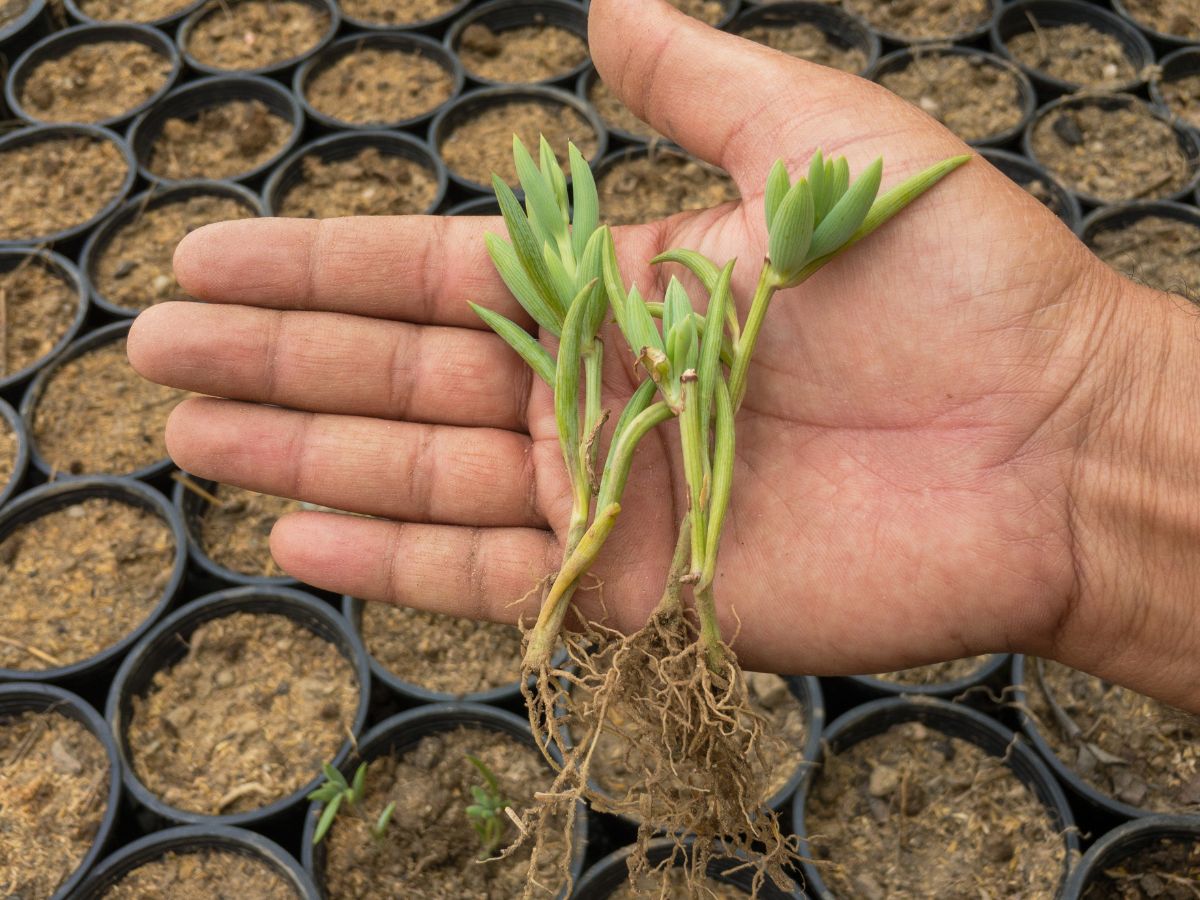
(536, 356)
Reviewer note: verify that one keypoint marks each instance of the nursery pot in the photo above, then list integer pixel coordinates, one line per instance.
(157, 196)
(424, 26)
(21, 460)
(501, 15)
(195, 839)
(344, 146)
(403, 732)
(25, 697)
(166, 23)
(970, 36)
(165, 645)
(952, 720)
(188, 101)
(1160, 39)
(1014, 19)
(63, 42)
(279, 69)
(1025, 171)
(36, 134)
(874, 687)
(63, 268)
(47, 498)
(1120, 215)
(402, 42)
(1125, 843)
(730, 9)
(1180, 64)
(17, 34)
(480, 206)
(583, 89)
(842, 27)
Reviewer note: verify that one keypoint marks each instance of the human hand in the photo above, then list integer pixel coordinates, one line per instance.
(908, 477)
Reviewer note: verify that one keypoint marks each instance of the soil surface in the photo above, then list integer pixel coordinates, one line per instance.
(1168, 869)
(937, 673)
(236, 532)
(1078, 54)
(374, 86)
(134, 271)
(925, 20)
(370, 183)
(94, 82)
(10, 11)
(97, 415)
(431, 850)
(1178, 17)
(77, 580)
(884, 813)
(1161, 252)
(520, 55)
(55, 778)
(808, 42)
(974, 98)
(1041, 191)
(673, 885)
(396, 12)
(1113, 155)
(246, 718)
(1183, 98)
(660, 184)
(38, 308)
(202, 875)
(8, 452)
(442, 653)
(1128, 746)
(223, 141)
(616, 114)
(710, 11)
(56, 183)
(131, 10)
(252, 34)
(482, 143)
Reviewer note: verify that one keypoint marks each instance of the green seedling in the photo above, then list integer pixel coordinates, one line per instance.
(337, 794)
(487, 812)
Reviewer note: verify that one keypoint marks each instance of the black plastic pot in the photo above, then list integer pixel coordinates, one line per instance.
(1015, 18)
(188, 101)
(92, 340)
(36, 134)
(841, 27)
(279, 69)
(49, 498)
(1180, 64)
(345, 145)
(62, 42)
(191, 507)
(402, 732)
(480, 206)
(1120, 215)
(195, 839)
(9, 260)
(165, 645)
(424, 26)
(16, 34)
(583, 90)
(1160, 39)
(21, 462)
(871, 686)
(166, 23)
(1026, 96)
(1188, 140)
(468, 104)
(25, 697)
(500, 15)
(1024, 171)
(609, 874)
(1125, 843)
(966, 37)
(731, 9)
(100, 238)
(953, 720)
(401, 42)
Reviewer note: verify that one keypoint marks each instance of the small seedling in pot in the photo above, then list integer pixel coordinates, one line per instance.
(337, 793)
(486, 813)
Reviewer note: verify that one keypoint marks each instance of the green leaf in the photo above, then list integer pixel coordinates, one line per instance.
(553, 172)
(586, 208)
(816, 176)
(535, 355)
(335, 776)
(906, 192)
(677, 306)
(614, 287)
(482, 767)
(504, 258)
(543, 209)
(778, 184)
(709, 368)
(696, 263)
(385, 817)
(564, 283)
(328, 814)
(681, 346)
(475, 811)
(637, 403)
(641, 324)
(324, 793)
(837, 181)
(359, 784)
(525, 243)
(793, 230)
(589, 266)
(566, 389)
(722, 478)
(847, 214)
(480, 795)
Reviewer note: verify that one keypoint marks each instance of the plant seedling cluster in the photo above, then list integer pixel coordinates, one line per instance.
(488, 811)
(336, 793)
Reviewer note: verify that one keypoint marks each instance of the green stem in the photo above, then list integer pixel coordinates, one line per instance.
(768, 284)
(672, 596)
(620, 457)
(710, 631)
(695, 469)
(722, 482)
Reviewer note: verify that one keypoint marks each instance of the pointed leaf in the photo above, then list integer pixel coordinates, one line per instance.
(335, 776)
(637, 404)
(848, 213)
(816, 173)
(566, 394)
(564, 283)
(588, 266)
(641, 324)
(790, 239)
(586, 207)
(722, 477)
(480, 795)
(778, 184)
(324, 793)
(677, 306)
(837, 180)
(526, 244)
(512, 273)
(476, 811)
(708, 369)
(696, 263)
(681, 344)
(359, 784)
(385, 817)
(614, 287)
(535, 355)
(553, 173)
(328, 814)
(543, 209)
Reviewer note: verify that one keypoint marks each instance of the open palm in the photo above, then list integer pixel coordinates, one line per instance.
(904, 447)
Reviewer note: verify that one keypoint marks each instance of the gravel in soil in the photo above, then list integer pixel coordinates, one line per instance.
(431, 850)
(1112, 154)
(1076, 53)
(373, 86)
(222, 141)
(370, 183)
(236, 531)
(131, 10)
(11, 10)
(396, 12)
(925, 20)
(134, 270)
(202, 875)
(94, 82)
(247, 717)
(1155, 250)
(8, 452)
(520, 55)
(441, 653)
(54, 774)
(1182, 96)
(252, 34)
(658, 185)
(1176, 17)
(96, 415)
(37, 308)
(808, 42)
(937, 673)
(1165, 869)
(912, 813)
(672, 884)
(482, 143)
(77, 580)
(57, 183)
(616, 114)
(1123, 744)
(973, 97)
(709, 11)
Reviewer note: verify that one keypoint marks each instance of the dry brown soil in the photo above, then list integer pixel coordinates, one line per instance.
(1177, 17)
(1168, 869)
(808, 42)
(131, 10)
(520, 55)
(367, 184)
(202, 875)
(253, 34)
(922, 19)
(616, 114)
(396, 12)
(1183, 98)
(236, 533)
(8, 452)
(94, 82)
(374, 86)
(660, 184)
(1161, 252)
(1078, 54)
(57, 183)
(937, 673)
(10, 11)
(38, 309)
(710, 11)
(223, 141)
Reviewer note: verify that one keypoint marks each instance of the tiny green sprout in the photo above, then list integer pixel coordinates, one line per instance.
(486, 813)
(335, 793)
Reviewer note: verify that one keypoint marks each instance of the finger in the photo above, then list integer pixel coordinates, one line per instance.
(420, 473)
(329, 362)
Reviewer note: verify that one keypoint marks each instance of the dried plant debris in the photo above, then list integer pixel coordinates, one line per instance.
(235, 532)
(1180, 18)
(937, 673)
(659, 184)
(521, 55)
(57, 183)
(806, 41)
(1165, 869)
(924, 20)
(203, 874)
(38, 306)
(1077, 54)
(370, 183)
(377, 86)
(254, 34)
(222, 141)
(94, 82)
(397, 12)
(132, 10)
